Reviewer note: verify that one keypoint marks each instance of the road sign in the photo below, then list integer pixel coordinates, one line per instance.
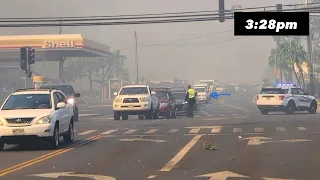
(72, 174)
(223, 175)
(258, 140)
(141, 139)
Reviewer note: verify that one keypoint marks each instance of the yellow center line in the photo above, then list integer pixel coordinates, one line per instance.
(46, 156)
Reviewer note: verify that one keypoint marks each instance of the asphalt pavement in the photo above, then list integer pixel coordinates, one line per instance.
(228, 139)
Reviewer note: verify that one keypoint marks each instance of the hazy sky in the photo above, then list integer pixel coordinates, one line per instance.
(221, 56)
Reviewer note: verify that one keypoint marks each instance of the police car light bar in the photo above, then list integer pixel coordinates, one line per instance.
(284, 84)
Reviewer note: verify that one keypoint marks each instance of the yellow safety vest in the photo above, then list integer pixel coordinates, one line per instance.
(192, 93)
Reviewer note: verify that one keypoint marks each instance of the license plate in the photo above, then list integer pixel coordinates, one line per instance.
(18, 132)
(131, 106)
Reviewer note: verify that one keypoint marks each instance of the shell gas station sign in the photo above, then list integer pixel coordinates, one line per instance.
(59, 44)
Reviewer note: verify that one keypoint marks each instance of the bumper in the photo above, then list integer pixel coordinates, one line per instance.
(131, 107)
(29, 133)
(271, 107)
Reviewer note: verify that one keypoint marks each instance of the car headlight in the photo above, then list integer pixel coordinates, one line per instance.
(44, 120)
(144, 99)
(117, 100)
(71, 101)
(163, 104)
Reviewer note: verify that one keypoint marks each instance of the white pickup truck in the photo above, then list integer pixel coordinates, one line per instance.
(135, 100)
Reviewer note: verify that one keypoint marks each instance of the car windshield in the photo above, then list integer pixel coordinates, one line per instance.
(179, 95)
(200, 89)
(273, 91)
(134, 90)
(162, 94)
(28, 101)
(65, 89)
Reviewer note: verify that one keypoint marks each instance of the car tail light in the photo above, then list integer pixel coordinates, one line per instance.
(257, 97)
(281, 97)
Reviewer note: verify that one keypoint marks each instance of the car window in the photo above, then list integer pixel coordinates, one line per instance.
(273, 91)
(62, 98)
(67, 90)
(28, 101)
(162, 94)
(134, 90)
(179, 95)
(301, 92)
(55, 99)
(294, 91)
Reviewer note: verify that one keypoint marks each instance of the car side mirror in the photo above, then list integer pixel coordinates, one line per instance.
(77, 95)
(153, 93)
(61, 105)
(115, 93)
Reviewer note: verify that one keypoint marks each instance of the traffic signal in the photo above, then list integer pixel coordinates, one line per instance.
(279, 7)
(221, 11)
(23, 58)
(28, 74)
(31, 55)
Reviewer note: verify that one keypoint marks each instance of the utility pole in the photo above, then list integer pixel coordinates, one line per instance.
(310, 51)
(136, 56)
(60, 27)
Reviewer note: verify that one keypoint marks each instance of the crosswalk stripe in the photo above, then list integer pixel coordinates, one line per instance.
(173, 131)
(130, 131)
(87, 132)
(237, 129)
(258, 129)
(302, 128)
(151, 131)
(108, 132)
(280, 129)
(194, 130)
(216, 130)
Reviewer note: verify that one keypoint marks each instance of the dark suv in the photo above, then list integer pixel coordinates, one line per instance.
(69, 92)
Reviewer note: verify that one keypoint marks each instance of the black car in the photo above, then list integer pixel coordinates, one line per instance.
(181, 106)
(69, 92)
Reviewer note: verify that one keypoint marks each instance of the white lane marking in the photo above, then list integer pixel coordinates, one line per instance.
(170, 165)
(151, 177)
(258, 129)
(109, 132)
(86, 132)
(237, 129)
(302, 128)
(280, 129)
(151, 131)
(234, 114)
(216, 129)
(130, 131)
(173, 131)
(222, 115)
(194, 130)
(204, 112)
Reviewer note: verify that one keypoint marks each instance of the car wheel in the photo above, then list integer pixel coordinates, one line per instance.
(156, 114)
(1, 146)
(69, 138)
(55, 138)
(125, 116)
(76, 114)
(264, 112)
(290, 107)
(313, 107)
(141, 117)
(116, 115)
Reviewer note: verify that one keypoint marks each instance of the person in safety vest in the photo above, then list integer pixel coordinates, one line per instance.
(191, 95)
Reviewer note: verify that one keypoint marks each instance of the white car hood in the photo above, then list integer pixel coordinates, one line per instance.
(133, 96)
(20, 113)
(202, 93)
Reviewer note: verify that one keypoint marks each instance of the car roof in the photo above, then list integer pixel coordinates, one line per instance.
(34, 91)
(129, 86)
(54, 85)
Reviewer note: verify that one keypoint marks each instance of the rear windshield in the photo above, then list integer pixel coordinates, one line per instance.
(273, 91)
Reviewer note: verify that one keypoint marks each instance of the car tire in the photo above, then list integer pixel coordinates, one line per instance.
(155, 114)
(1, 146)
(76, 114)
(69, 138)
(141, 117)
(54, 141)
(124, 116)
(291, 107)
(116, 115)
(313, 107)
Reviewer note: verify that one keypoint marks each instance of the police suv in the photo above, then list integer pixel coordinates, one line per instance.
(287, 98)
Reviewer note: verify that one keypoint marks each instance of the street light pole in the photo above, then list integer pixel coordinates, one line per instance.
(136, 56)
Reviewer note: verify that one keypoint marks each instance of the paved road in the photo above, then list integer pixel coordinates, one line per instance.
(227, 139)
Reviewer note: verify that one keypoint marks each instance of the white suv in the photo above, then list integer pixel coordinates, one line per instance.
(36, 114)
(136, 100)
